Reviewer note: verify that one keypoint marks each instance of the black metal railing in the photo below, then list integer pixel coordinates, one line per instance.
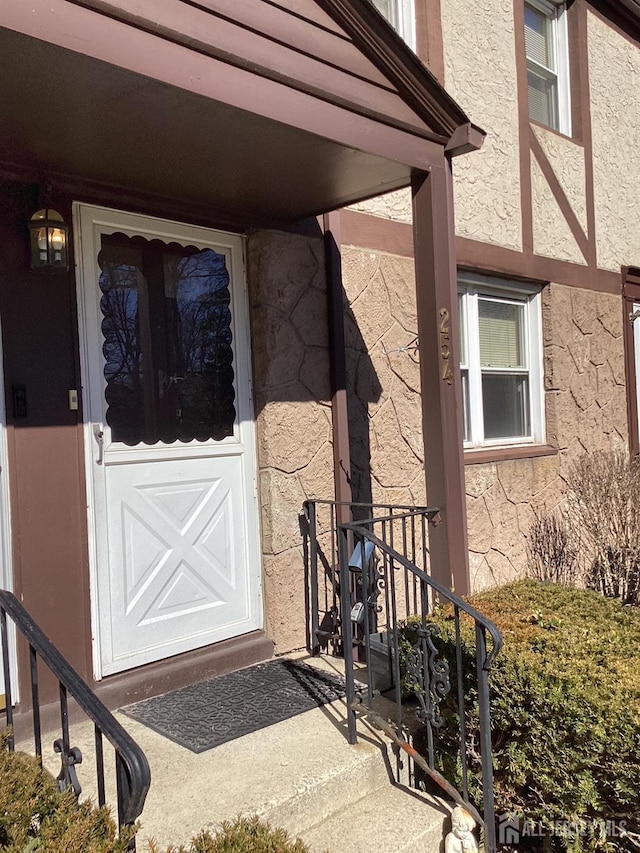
(405, 528)
(384, 610)
(132, 774)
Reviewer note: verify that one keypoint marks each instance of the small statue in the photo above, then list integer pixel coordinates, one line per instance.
(461, 838)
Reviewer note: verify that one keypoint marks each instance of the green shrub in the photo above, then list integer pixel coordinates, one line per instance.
(243, 835)
(35, 816)
(565, 705)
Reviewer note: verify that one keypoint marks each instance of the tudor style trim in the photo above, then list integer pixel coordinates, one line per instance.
(630, 291)
(395, 238)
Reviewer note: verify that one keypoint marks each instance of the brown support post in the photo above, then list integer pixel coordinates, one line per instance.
(338, 365)
(437, 308)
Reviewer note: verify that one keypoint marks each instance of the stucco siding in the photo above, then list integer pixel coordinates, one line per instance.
(396, 206)
(614, 80)
(568, 163)
(480, 73)
(552, 236)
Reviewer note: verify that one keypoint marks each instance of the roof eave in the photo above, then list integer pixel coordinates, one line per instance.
(372, 33)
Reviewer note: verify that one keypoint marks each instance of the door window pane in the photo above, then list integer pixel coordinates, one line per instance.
(168, 360)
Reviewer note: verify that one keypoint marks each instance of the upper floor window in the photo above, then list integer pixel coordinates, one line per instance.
(501, 362)
(402, 17)
(546, 41)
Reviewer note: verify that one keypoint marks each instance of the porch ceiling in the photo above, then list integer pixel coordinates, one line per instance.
(63, 112)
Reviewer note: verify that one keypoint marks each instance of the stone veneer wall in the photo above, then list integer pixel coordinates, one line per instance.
(385, 418)
(585, 407)
(586, 410)
(293, 413)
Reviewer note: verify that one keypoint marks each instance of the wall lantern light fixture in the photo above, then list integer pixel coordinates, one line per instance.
(48, 240)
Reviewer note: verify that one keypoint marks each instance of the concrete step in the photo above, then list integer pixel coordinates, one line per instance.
(300, 774)
(392, 819)
(293, 774)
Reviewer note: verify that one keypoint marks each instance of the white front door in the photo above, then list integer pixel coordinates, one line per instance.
(169, 437)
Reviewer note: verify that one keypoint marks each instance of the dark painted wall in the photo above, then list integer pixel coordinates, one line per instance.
(46, 477)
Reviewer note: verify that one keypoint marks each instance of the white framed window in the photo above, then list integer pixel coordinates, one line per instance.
(500, 362)
(547, 49)
(401, 14)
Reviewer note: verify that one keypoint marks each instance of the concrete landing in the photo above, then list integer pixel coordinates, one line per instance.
(300, 774)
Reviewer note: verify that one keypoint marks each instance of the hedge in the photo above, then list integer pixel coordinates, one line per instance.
(565, 706)
(35, 816)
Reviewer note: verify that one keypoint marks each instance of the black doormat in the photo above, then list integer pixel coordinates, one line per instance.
(213, 712)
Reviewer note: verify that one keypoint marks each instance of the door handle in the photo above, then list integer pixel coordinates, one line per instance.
(98, 434)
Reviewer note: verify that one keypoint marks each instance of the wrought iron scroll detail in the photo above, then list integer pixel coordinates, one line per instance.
(428, 675)
(69, 757)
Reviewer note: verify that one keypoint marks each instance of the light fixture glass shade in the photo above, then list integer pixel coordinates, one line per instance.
(48, 237)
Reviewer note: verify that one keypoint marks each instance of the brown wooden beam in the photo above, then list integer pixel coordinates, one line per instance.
(437, 308)
(338, 364)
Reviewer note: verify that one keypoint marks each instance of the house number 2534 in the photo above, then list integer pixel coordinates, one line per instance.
(445, 350)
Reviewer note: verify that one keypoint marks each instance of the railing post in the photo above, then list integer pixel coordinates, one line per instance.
(313, 577)
(347, 633)
(485, 740)
(7, 678)
(123, 793)
(132, 768)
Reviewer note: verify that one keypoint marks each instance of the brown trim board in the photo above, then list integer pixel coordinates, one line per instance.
(631, 295)
(630, 375)
(502, 454)
(375, 232)
(582, 49)
(338, 366)
(440, 382)
(429, 43)
(578, 81)
(526, 197)
(395, 238)
(386, 49)
(484, 256)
